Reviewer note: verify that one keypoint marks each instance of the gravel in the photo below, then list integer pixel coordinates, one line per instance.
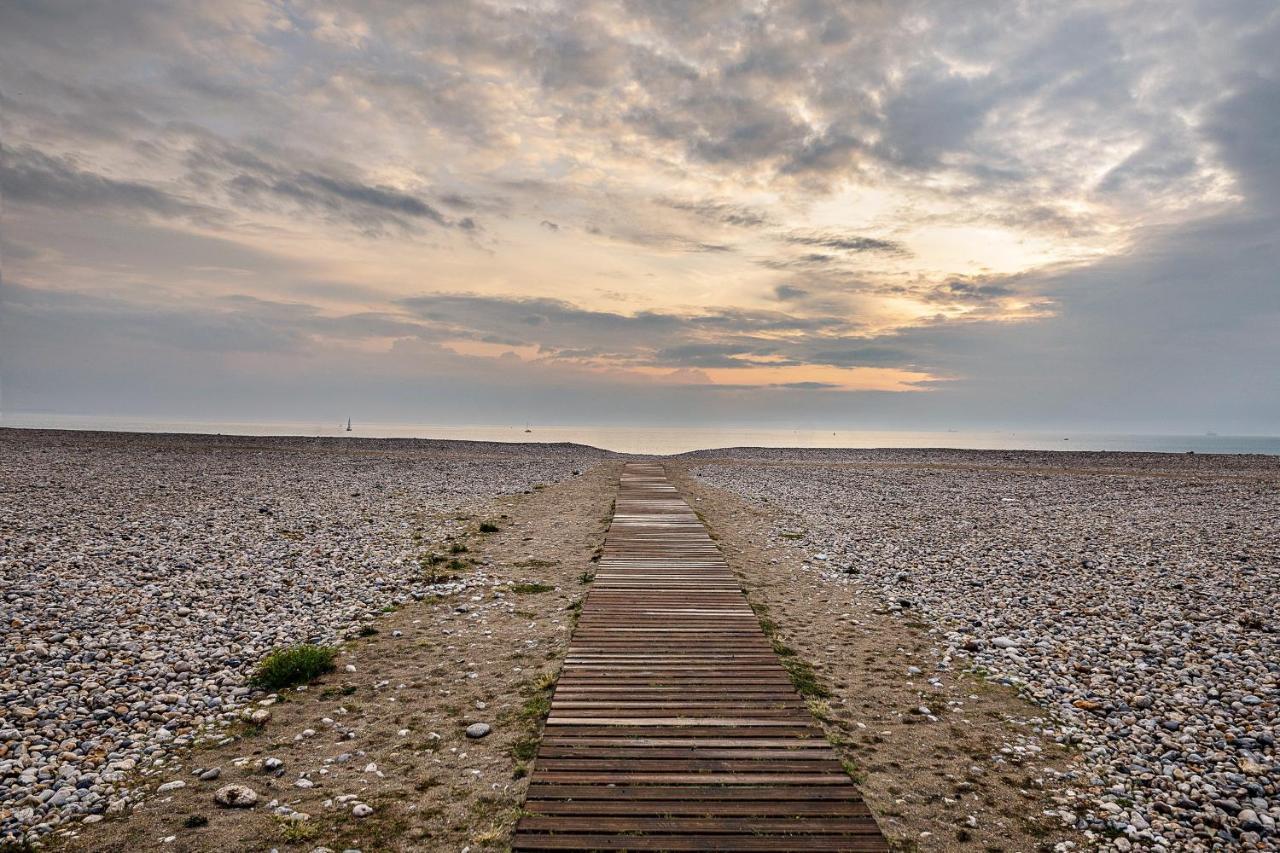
(144, 576)
(1134, 595)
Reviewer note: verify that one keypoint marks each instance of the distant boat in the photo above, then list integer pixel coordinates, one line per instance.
(526, 427)
(348, 424)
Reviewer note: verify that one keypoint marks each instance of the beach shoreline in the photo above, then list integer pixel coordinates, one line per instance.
(145, 575)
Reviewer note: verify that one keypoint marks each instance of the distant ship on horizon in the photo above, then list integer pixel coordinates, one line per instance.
(348, 424)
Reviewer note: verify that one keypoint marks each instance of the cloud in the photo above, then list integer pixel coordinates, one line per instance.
(28, 176)
(1039, 206)
(263, 178)
(852, 243)
(727, 213)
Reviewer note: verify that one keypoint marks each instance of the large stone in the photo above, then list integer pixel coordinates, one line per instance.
(236, 797)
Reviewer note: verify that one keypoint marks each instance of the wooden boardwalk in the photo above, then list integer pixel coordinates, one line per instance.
(673, 725)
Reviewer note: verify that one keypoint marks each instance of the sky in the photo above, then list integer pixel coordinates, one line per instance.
(917, 215)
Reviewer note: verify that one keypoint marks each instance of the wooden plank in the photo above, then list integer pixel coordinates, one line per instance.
(673, 725)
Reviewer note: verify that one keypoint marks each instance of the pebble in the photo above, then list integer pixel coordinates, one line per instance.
(478, 730)
(361, 810)
(145, 577)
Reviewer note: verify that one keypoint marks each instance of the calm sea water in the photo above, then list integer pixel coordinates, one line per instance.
(663, 440)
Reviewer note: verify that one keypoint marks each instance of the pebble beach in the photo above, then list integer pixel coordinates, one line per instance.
(144, 576)
(1135, 596)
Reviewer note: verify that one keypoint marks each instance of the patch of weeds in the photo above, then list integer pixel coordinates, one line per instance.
(791, 534)
(457, 548)
(804, 679)
(298, 830)
(853, 770)
(575, 613)
(488, 527)
(367, 631)
(334, 692)
(293, 665)
(458, 565)
(430, 564)
(524, 750)
(390, 608)
(539, 486)
(530, 717)
(820, 709)
(586, 578)
(195, 821)
(532, 588)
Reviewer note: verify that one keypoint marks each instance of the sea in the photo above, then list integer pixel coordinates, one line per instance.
(665, 440)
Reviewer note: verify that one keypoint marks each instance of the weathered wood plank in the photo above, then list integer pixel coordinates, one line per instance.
(673, 725)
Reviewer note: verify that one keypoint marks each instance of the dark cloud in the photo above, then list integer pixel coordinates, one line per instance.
(256, 178)
(848, 243)
(727, 213)
(709, 355)
(865, 355)
(807, 386)
(28, 176)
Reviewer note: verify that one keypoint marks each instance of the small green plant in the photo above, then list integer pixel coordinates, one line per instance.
(457, 565)
(853, 770)
(293, 665)
(298, 830)
(457, 548)
(196, 821)
(488, 527)
(804, 679)
(367, 631)
(530, 588)
(586, 578)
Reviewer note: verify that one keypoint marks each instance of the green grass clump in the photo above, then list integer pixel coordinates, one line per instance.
(298, 830)
(488, 527)
(293, 665)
